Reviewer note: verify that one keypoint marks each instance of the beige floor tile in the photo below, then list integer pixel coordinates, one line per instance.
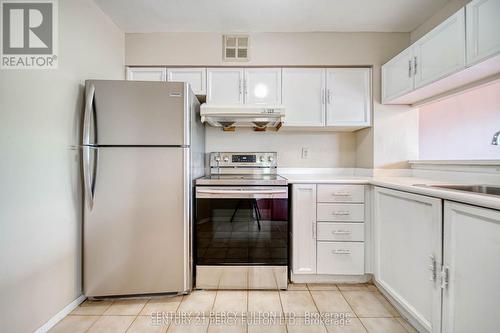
(297, 286)
(332, 302)
(111, 324)
(267, 301)
(322, 286)
(193, 325)
(199, 302)
(351, 325)
(382, 325)
(74, 324)
(406, 325)
(231, 302)
(232, 325)
(94, 308)
(352, 286)
(297, 302)
(388, 306)
(371, 287)
(145, 324)
(162, 304)
(300, 325)
(269, 328)
(366, 304)
(125, 307)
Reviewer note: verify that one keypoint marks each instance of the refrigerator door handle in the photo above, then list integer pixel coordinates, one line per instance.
(89, 172)
(87, 115)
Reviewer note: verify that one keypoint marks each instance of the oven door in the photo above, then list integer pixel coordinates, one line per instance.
(241, 226)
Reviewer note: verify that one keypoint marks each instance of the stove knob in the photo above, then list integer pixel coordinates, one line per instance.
(217, 159)
(270, 158)
(226, 159)
(262, 159)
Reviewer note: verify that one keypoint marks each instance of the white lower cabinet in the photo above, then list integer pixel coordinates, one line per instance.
(408, 248)
(146, 74)
(472, 266)
(328, 232)
(304, 229)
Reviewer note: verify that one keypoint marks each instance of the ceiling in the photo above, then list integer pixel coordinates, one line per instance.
(269, 15)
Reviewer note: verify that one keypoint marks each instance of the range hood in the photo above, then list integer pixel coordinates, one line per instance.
(228, 117)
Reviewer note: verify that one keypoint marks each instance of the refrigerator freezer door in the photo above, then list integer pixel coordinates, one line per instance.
(136, 113)
(137, 233)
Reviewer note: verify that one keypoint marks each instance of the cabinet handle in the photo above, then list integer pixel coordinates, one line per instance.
(445, 277)
(341, 194)
(433, 268)
(314, 230)
(328, 96)
(245, 86)
(341, 251)
(341, 232)
(415, 65)
(322, 96)
(240, 87)
(409, 68)
(341, 213)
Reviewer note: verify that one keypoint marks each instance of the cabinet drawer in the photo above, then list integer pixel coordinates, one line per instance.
(341, 258)
(341, 231)
(341, 212)
(341, 193)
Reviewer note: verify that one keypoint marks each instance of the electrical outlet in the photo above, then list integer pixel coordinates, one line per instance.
(305, 152)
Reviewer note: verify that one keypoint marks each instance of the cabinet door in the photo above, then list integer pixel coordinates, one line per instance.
(146, 74)
(263, 86)
(304, 229)
(196, 77)
(397, 76)
(407, 235)
(304, 96)
(348, 97)
(483, 25)
(471, 257)
(441, 51)
(225, 85)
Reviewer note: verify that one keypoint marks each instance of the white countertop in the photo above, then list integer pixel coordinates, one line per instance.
(400, 183)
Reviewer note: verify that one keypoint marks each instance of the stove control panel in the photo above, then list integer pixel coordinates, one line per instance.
(235, 160)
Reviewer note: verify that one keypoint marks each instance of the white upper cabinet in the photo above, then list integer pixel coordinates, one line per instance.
(408, 248)
(146, 74)
(262, 86)
(348, 96)
(196, 77)
(397, 76)
(304, 229)
(225, 85)
(304, 96)
(471, 269)
(441, 51)
(483, 26)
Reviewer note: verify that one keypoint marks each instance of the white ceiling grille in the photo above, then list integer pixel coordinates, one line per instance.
(235, 48)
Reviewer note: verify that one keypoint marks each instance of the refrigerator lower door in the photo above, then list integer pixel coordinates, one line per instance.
(137, 232)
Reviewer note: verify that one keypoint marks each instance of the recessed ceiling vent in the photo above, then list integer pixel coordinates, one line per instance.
(235, 48)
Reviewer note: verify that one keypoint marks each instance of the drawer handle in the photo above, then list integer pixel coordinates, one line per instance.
(341, 251)
(341, 232)
(341, 213)
(341, 194)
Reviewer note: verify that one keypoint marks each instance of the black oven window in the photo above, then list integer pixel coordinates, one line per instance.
(241, 231)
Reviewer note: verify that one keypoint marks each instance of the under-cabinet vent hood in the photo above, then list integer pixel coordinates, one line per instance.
(260, 118)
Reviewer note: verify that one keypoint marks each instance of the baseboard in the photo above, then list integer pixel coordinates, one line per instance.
(329, 278)
(60, 315)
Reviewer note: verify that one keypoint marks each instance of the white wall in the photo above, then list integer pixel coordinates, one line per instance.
(327, 149)
(40, 215)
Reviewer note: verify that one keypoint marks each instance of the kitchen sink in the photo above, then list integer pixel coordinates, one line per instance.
(480, 189)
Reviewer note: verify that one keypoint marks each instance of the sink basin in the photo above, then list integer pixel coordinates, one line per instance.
(480, 189)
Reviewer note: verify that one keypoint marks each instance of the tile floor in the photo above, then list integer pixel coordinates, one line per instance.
(364, 307)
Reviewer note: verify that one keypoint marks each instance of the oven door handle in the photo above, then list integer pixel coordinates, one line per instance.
(241, 193)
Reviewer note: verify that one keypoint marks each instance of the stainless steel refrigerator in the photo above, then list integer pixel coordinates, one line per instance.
(142, 147)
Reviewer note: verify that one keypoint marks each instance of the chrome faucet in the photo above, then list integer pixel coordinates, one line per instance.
(496, 139)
